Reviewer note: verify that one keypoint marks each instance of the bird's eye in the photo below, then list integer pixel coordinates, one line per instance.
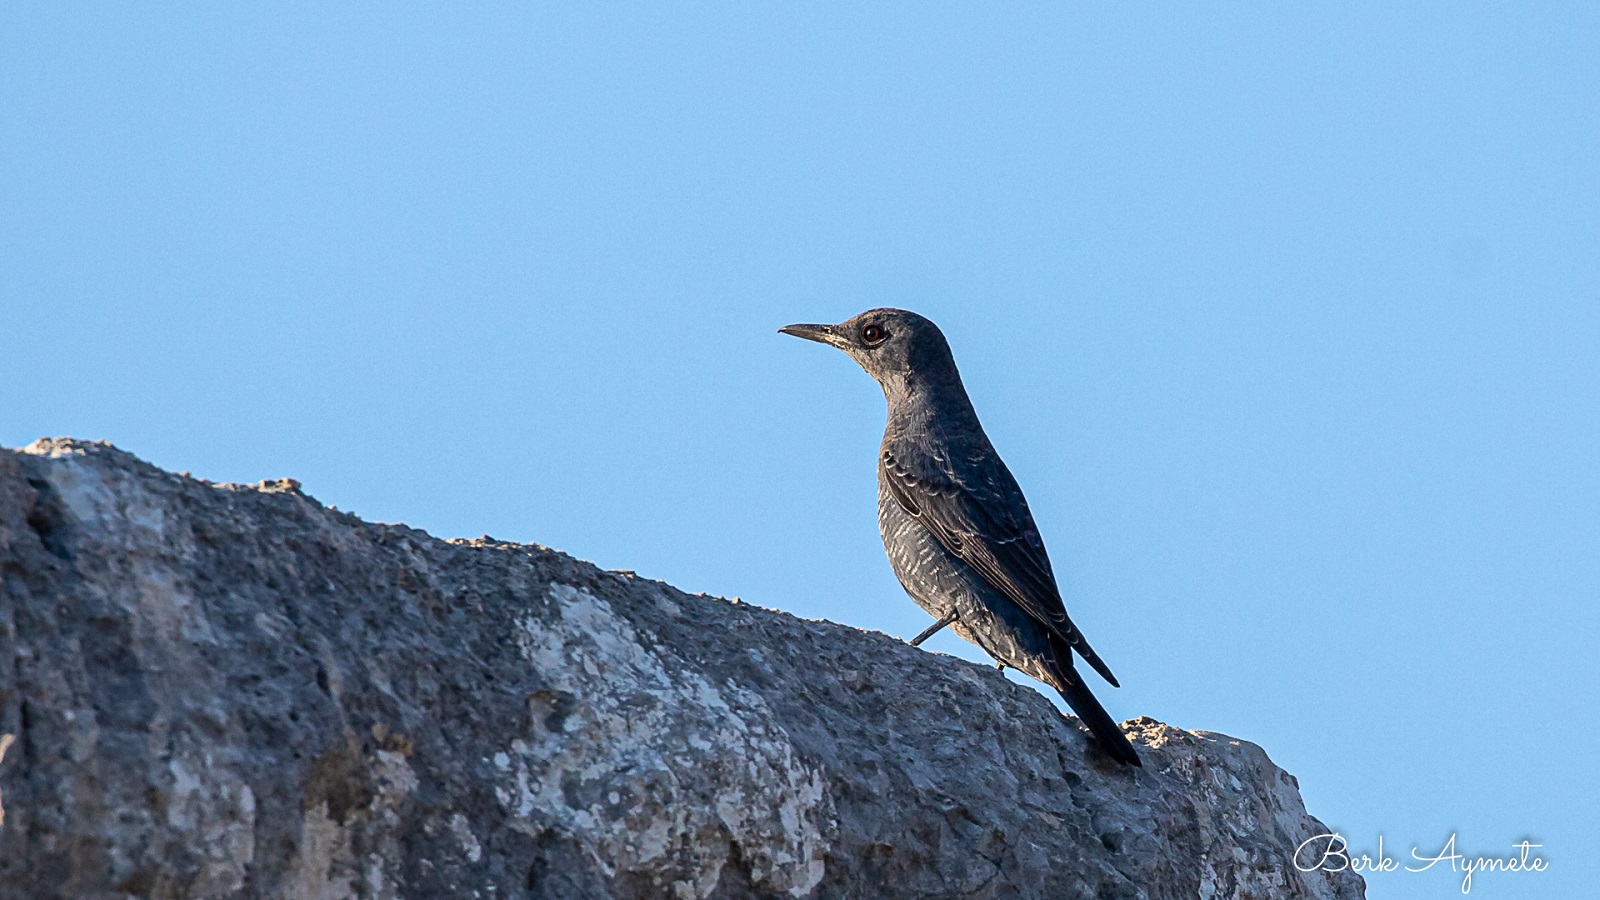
(873, 334)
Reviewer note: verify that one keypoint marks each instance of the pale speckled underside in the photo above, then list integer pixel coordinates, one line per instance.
(939, 581)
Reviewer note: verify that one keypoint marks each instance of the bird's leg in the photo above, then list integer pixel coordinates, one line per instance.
(933, 629)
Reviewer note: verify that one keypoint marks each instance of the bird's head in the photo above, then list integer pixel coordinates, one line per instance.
(898, 348)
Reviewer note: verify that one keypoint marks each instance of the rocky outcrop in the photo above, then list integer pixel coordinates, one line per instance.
(215, 690)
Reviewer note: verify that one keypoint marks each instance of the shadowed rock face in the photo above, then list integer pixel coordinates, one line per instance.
(224, 690)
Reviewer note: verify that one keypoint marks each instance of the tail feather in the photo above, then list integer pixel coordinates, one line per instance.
(1089, 710)
(1092, 658)
(1106, 732)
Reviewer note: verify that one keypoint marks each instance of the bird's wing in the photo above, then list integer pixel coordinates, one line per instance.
(987, 525)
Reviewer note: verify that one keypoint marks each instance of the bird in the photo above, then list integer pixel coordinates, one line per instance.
(955, 525)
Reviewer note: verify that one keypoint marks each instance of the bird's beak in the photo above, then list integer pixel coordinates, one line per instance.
(822, 334)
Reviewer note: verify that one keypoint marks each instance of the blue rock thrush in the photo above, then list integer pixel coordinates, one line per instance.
(955, 525)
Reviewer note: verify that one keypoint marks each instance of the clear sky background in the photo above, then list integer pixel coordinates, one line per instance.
(1285, 319)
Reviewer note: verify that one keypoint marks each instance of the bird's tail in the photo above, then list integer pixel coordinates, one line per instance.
(1089, 710)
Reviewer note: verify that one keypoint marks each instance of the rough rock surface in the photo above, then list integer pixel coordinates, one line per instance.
(214, 690)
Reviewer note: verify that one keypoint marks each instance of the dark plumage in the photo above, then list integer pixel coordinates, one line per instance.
(955, 525)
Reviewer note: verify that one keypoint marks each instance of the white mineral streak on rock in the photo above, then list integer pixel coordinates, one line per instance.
(625, 755)
(463, 833)
(322, 868)
(395, 782)
(6, 740)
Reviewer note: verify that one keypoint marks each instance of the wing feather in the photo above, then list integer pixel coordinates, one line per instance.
(988, 527)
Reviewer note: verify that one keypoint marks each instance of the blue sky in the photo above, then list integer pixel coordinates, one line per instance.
(1285, 319)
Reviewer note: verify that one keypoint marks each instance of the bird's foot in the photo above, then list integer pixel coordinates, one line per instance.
(933, 629)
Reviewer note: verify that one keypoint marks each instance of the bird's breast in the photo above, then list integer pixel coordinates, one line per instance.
(924, 567)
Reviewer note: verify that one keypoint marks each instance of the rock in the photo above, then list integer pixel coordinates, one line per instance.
(215, 690)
